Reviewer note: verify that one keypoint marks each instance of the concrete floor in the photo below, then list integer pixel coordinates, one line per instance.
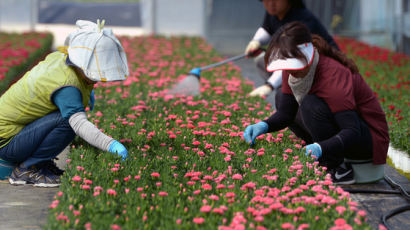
(26, 207)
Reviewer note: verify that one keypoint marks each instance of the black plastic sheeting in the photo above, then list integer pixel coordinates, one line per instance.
(378, 205)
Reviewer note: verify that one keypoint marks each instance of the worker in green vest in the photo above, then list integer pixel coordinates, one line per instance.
(42, 112)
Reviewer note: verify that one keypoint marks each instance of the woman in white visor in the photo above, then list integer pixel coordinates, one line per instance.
(340, 114)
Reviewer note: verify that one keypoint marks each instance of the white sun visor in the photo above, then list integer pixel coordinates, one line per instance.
(293, 63)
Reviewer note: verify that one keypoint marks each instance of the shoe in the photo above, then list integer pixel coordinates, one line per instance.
(51, 165)
(343, 174)
(38, 177)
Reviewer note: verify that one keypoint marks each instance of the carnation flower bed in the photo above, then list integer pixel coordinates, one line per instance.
(18, 52)
(188, 166)
(387, 73)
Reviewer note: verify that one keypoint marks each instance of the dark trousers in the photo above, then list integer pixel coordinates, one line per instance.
(297, 127)
(315, 122)
(39, 141)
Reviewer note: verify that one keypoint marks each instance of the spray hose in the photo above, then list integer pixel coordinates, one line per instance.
(197, 71)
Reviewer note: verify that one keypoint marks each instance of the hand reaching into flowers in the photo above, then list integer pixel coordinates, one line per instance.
(253, 131)
(313, 150)
(117, 147)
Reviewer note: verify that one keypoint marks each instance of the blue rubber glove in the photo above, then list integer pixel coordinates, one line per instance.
(117, 147)
(253, 131)
(92, 100)
(313, 150)
(196, 71)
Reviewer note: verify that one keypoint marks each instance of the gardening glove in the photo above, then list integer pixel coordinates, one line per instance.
(253, 48)
(117, 147)
(313, 150)
(253, 131)
(263, 90)
(92, 100)
(196, 72)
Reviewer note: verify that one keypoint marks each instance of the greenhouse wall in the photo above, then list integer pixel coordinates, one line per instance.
(227, 24)
(177, 17)
(18, 15)
(231, 26)
(383, 23)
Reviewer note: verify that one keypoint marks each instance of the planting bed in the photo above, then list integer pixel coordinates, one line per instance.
(188, 165)
(18, 52)
(387, 73)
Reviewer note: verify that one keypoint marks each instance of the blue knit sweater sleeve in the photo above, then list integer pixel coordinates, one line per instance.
(69, 101)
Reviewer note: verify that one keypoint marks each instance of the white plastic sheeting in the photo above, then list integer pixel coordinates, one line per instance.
(400, 159)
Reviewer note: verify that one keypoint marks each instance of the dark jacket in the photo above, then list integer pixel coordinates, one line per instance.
(342, 91)
(271, 23)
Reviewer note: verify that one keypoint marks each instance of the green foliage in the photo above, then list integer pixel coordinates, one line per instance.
(35, 54)
(387, 73)
(188, 167)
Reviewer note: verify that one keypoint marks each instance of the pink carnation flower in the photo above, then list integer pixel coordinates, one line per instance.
(198, 220)
(196, 143)
(163, 193)
(206, 208)
(111, 192)
(85, 187)
(76, 178)
(237, 177)
(287, 226)
(207, 187)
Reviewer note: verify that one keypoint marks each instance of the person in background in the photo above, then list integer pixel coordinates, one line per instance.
(278, 13)
(44, 110)
(339, 111)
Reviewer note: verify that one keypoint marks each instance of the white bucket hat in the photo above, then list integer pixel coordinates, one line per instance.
(97, 52)
(293, 63)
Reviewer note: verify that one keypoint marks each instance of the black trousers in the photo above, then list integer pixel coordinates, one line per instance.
(297, 127)
(315, 122)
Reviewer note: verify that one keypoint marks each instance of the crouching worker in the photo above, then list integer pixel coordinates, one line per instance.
(339, 111)
(42, 112)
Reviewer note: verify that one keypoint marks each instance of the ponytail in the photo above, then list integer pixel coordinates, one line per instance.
(324, 48)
